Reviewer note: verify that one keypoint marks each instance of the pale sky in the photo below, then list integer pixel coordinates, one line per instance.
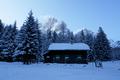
(77, 14)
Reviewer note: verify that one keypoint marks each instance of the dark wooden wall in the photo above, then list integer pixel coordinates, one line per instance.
(66, 56)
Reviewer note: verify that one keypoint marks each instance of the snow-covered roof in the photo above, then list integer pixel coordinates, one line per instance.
(69, 46)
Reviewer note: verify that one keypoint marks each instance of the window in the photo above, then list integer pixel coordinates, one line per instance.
(57, 57)
(66, 57)
(48, 57)
(79, 57)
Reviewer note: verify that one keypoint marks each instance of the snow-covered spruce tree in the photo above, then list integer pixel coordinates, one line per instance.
(49, 36)
(1, 33)
(29, 44)
(6, 42)
(85, 36)
(45, 43)
(101, 46)
(80, 37)
(46, 39)
(11, 45)
(20, 39)
(54, 37)
(89, 39)
(39, 36)
(70, 37)
(1, 29)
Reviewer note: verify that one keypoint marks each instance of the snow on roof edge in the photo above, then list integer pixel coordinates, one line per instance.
(69, 46)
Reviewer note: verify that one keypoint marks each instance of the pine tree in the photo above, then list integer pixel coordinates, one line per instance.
(12, 45)
(1, 33)
(102, 46)
(39, 36)
(6, 41)
(89, 40)
(54, 37)
(1, 29)
(20, 39)
(49, 36)
(80, 37)
(70, 37)
(45, 43)
(28, 44)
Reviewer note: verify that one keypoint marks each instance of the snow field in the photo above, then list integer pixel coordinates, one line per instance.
(18, 71)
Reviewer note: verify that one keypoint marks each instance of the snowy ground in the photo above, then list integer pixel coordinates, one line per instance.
(18, 71)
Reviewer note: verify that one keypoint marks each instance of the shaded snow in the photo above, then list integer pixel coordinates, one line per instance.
(68, 46)
(18, 71)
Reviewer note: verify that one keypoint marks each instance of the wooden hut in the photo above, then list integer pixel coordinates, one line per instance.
(67, 53)
(115, 53)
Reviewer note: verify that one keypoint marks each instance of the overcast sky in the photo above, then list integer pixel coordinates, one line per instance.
(77, 14)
